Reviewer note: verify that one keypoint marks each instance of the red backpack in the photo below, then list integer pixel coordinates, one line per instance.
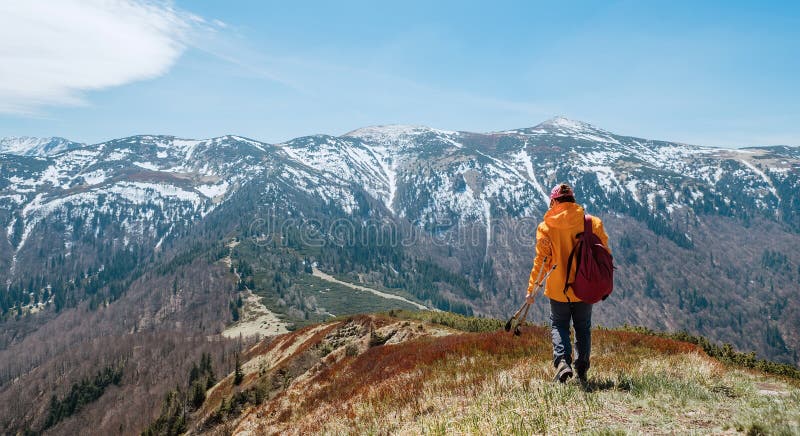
(594, 267)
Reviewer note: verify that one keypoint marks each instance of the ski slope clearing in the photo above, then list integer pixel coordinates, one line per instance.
(319, 274)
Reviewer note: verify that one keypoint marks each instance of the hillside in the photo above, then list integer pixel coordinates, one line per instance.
(403, 374)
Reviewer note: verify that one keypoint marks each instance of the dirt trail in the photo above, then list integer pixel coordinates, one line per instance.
(256, 319)
(328, 278)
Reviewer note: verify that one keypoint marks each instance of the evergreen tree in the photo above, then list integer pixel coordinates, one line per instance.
(198, 394)
(194, 373)
(238, 375)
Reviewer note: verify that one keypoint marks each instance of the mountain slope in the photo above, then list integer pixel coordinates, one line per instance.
(480, 196)
(379, 374)
(28, 146)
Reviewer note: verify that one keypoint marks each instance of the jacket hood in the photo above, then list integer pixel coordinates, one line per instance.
(564, 215)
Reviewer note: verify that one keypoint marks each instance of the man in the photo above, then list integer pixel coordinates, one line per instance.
(555, 238)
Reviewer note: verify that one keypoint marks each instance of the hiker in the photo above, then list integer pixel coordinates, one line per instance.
(555, 238)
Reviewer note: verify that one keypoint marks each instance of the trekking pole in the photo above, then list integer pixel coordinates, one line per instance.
(522, 320)
(517, 331)
(544, 279)
(516, 315)
(524, 303)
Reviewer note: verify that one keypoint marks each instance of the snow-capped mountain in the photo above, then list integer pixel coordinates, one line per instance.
(474, 199)
(29, 146)
(435, 179)
(429, 176)
(134, 190)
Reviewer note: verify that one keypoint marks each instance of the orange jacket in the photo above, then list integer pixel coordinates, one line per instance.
(555, 237)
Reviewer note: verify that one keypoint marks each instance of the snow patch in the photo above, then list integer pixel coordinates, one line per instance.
(632, 187)
(185, 147)
(146, 165)
(394, 131)
(763, 176)
(389, 171)
(255, 144)
(117, 155)
(95, 177)
(487, 216)
(213, 191)
(525, 158)
(142, 192)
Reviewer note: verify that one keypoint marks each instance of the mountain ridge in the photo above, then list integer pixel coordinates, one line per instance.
(556, 122)
(440, 371)
(36, 146)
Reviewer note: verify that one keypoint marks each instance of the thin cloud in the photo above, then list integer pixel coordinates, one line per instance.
(54, 52)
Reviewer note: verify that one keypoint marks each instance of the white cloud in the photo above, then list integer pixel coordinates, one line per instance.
(51, 52)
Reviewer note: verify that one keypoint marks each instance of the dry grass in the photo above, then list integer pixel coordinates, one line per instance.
(495, 383)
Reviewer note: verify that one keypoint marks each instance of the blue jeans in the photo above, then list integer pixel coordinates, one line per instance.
(581, 316)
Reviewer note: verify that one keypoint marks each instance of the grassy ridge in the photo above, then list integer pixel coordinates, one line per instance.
(471, 377)
(724, 353)
(491, 382)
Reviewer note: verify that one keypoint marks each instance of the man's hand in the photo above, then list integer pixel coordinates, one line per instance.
(530, 298)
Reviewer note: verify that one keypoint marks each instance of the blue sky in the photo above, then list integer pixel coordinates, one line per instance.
(709, 73)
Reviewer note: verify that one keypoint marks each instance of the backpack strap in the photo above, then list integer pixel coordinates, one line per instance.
(587, 224)
(567, 284)
(587, 230)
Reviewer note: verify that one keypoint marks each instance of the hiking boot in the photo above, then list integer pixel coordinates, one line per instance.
(563, 372)
(582, 377)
